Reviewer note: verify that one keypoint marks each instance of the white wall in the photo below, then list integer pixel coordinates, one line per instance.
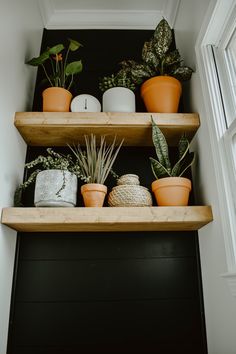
(20, 36)
(220, 305)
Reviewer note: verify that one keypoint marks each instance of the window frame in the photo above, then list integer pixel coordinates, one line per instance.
(215, 32)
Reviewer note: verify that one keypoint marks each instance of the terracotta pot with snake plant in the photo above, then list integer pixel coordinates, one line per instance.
(170, 188)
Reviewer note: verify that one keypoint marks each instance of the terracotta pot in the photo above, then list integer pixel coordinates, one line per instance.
(56, 99)
(161, 94)
(93, 194)
(172, 191)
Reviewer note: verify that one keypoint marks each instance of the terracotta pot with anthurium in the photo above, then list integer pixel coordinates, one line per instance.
(57, 97)
(95, 162)
(159, 72)
(170, 187)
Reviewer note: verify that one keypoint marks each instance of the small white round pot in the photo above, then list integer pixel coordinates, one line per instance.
(118, 99)
(55, 188)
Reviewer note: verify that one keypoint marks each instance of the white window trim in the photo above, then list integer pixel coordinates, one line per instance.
(216, 20)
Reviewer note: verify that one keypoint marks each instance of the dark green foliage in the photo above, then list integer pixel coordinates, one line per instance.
(162, 166)
(157, 59)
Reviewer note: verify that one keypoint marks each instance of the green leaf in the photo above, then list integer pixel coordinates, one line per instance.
(187, 163)
(183, 157)
(183, 145)
(161, 146)
(74, 68)
(140, 72)
(158, 169)
(39, 60)
(172, 58)
(183, 73)
(56, 49)
(149, 55)
(74, 45)
(163, 38)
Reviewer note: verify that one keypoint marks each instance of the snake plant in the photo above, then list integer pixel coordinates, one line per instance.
(161, 167)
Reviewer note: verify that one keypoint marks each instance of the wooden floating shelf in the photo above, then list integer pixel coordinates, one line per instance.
(107, 219)
(61, 128)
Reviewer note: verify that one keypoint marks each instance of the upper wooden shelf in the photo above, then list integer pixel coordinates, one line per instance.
(59, 128)
(107, 219)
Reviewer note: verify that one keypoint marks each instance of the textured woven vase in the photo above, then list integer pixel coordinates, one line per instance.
(129, 193)
(55, 188)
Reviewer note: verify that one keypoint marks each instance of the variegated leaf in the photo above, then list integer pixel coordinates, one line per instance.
(163, 38)
(161, 146)
(158, 169)
(149, 56)
(183, 73)
(188, 161)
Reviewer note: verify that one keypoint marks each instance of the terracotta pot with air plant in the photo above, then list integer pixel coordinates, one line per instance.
(170, 187)
(95, 162)
(159, 72)
(57, 97)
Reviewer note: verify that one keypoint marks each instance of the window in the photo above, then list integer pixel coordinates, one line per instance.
(216, 53)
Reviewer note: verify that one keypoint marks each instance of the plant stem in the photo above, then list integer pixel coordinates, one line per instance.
(47, 75)
(70, 83)
(64, 69)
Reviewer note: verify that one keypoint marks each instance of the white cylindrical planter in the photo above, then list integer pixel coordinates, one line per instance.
(118, 99)
(55, 188)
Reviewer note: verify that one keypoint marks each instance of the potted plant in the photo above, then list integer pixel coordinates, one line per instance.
(56, 180)
(170, 187)
(57, 97)
(95, 162)
(160, 72)
(118, 95)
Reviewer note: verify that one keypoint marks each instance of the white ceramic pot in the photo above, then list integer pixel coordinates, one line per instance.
(118, 99)
(55, 188)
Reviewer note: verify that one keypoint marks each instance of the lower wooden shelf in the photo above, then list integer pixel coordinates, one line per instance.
(107, 219)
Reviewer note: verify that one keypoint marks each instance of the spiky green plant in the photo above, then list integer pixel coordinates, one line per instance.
(161, 167)
(158, 58)
(96, 160)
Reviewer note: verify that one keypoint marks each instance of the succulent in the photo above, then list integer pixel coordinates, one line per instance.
(157, 58)
(162, 166)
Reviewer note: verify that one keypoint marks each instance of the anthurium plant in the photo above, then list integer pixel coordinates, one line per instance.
(61, 72)
(161, 167)
(158, 58)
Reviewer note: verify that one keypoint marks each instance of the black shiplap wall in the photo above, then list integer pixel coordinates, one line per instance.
(107, 293)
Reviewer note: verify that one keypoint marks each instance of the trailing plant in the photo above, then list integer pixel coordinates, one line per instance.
(96, 160)
(157, 58)
(162, 166)
(62, 72)
(53, 161)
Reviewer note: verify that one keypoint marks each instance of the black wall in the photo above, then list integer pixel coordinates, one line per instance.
(107, 293)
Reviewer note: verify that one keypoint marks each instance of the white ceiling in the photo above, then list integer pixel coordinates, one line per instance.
(124, 14)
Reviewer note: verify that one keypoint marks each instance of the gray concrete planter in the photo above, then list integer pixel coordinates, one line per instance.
(55, 188)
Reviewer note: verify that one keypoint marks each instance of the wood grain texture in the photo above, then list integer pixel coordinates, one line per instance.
(60, 129)
(107, 219)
